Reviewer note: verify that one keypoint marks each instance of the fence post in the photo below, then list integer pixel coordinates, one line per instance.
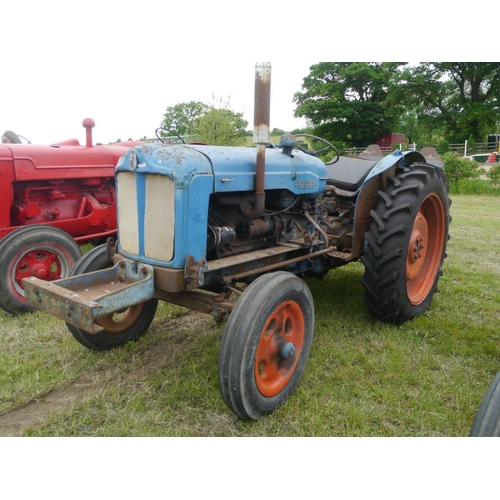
(465, 148)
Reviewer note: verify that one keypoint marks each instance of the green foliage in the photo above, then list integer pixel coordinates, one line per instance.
(180, 119)
(493, 175)
(346, 101)
(306, 130)
(443, 147)
(459, 98)
(471, 145)
(277, 131)
(221, 127)
(408, 124)
(415, 128)
(213, 124)
(459, 169)
(478, 187)
(356, 102)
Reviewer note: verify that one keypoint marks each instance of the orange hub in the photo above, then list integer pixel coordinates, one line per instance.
(279, 348)
(425, 248)
(120, 321)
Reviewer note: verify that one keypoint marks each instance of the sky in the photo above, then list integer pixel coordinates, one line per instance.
(123, 63)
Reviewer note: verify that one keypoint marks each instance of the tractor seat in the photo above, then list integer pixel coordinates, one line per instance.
(349, 173)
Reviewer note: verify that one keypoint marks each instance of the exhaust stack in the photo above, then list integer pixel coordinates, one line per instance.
(261, 135)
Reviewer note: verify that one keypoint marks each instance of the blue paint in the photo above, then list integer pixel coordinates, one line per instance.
(199, 171)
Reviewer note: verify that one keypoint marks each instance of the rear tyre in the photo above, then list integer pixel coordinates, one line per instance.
(406, 244)
(266, 344)
(120, 327)
(487, 421)
(46, 252)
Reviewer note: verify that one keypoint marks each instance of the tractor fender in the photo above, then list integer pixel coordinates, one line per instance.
(398, 156)
(367, 196)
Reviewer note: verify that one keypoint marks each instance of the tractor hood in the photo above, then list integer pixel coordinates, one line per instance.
(232, 168)
(62, 160)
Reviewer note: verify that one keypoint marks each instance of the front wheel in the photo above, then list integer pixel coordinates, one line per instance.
(119, 327)
(406, 244)
(46, 252)
(266, 344)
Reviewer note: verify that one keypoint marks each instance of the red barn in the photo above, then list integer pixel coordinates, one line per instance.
(387, 140)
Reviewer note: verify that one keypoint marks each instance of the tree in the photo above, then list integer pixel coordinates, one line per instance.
(415, 130)
(180, 119)
(460, 98)
(347, 101)
(221, 127)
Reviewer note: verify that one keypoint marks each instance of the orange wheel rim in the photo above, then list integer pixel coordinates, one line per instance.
(425, 248)
(279, 348)
(121, 321)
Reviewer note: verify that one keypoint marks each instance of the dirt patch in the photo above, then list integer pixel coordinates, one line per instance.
(16, 421)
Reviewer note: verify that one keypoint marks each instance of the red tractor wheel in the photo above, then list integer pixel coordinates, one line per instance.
(406, 244)
(45, 252)
(119, 327)
(266, 344)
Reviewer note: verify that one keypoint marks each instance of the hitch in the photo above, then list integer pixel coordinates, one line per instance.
(80, 300)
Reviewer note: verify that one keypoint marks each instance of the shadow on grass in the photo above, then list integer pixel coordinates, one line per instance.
(340, 293)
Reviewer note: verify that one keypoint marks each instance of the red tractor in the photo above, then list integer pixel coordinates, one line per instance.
(52, 199)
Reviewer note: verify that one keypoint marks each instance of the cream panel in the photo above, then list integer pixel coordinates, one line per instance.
(159, 218)
(128, 222)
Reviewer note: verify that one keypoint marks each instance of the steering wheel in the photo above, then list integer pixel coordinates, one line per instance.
(328, 147)
(162, 139)
(22, 137)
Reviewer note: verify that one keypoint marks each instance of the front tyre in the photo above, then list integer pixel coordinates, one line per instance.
(487, 420)
(266, 344)
(119, 327)
(406, 244)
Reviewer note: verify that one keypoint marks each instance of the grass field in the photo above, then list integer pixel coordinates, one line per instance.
(364, 378)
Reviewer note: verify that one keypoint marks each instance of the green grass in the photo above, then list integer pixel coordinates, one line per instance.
(363, 378)
(475, 187)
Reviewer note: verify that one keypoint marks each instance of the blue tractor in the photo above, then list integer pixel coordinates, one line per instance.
(230, 231)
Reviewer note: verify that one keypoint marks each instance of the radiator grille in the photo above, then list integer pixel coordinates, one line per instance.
(146, 210)
(128, 221)
(159, 218)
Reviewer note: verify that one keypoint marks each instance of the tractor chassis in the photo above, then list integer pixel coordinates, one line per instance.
(80, 300)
